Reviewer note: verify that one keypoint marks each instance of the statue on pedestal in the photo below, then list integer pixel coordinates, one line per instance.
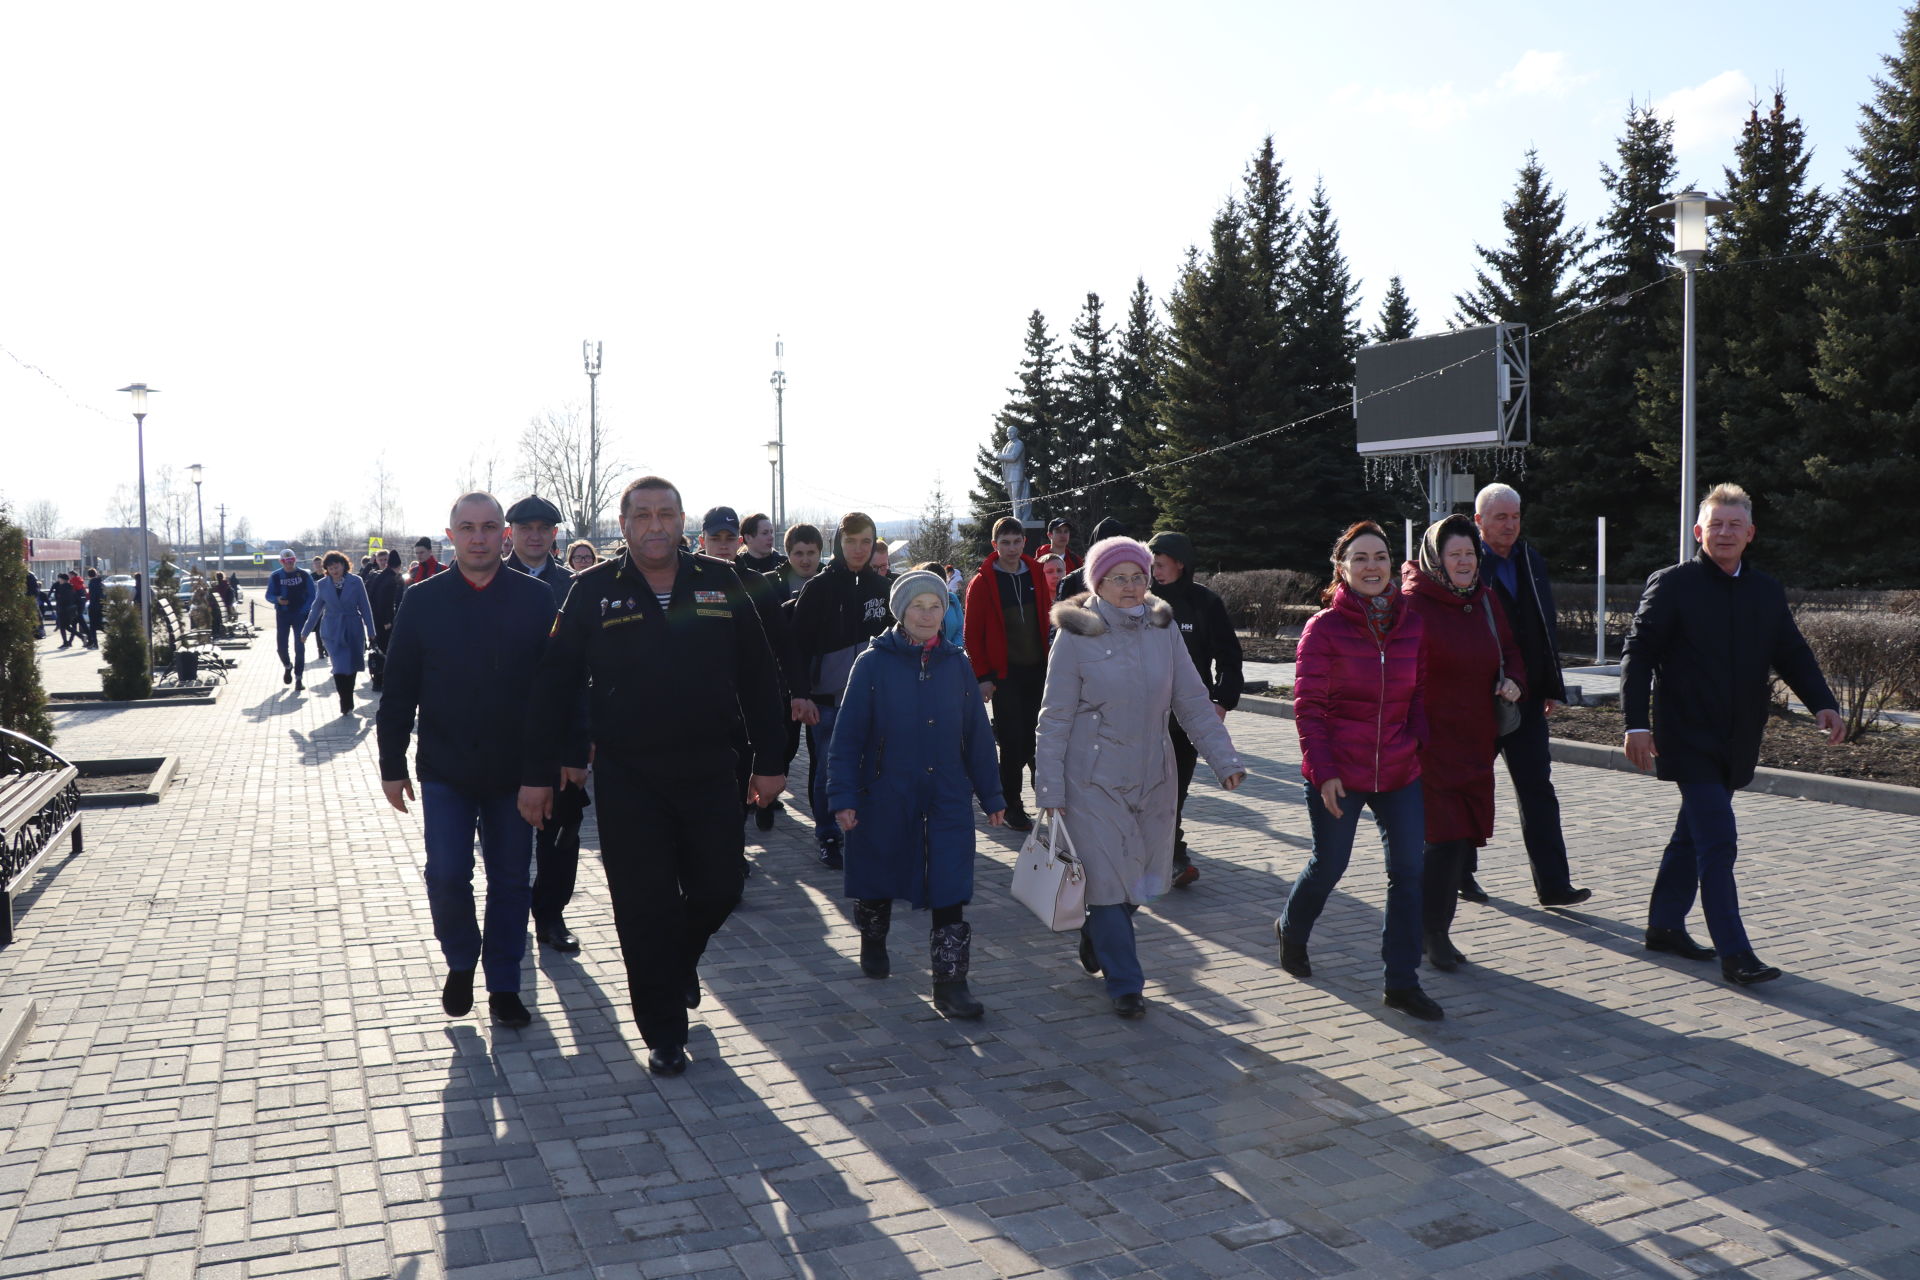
(1013, 473)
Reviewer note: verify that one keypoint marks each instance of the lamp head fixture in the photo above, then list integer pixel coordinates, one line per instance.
(140, 391)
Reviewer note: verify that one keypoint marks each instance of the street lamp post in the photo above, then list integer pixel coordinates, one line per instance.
(223, 537)
(200, 514)
(590, 353)
(1689, 211)
(773, 478)
(140, 392)
(779, 381)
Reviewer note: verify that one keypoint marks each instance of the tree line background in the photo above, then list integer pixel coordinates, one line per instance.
(1808, 362)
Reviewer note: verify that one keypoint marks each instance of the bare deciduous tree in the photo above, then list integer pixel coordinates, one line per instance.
(335, 532)
(123, 508)
(40, 519)
(557, 458)
(386, 518)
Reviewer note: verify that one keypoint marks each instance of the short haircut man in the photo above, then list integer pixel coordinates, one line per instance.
(800, 533)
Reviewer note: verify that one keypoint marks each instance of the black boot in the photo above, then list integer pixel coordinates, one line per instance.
(871, 917)
(1293, 955)
(1440, 951)
(1470, 890)
(343, 685)
(952, 950)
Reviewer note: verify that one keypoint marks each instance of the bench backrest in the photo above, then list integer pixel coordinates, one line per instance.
(22, 795)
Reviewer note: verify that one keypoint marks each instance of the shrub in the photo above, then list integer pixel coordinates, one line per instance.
(23, 700)
(1264, 600)
(1868, 658)
(124, 649)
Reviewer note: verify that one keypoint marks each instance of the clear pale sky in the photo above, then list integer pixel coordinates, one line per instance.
(329, 231)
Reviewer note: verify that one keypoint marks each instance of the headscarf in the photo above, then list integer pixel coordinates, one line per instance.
(1436, 537)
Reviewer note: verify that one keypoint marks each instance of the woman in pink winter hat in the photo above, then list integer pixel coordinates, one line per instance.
(1104, 763)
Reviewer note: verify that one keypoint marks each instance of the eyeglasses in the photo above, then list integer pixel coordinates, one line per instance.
(1124, 580)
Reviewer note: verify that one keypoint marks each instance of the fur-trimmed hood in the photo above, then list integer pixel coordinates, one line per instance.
(1079, 616)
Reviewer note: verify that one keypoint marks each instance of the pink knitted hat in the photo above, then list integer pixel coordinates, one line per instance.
(1109, 554)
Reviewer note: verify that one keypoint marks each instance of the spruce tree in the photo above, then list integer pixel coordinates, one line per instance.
(1397, 317)
(1587, 459)
(1035, 410)
(1863, 431)
(1136, 383)
(1218, 385)
(23, 699)
(1533, 279)
(1090, 449)
(1271, 228)
(126, 676)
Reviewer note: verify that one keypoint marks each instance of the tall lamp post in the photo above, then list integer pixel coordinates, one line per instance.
(590, 353)
(200, 514)
(779, 381)
(773, 479)
(1689, 211)
(140, 392)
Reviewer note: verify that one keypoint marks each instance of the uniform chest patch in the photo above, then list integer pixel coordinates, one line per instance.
(709, 597)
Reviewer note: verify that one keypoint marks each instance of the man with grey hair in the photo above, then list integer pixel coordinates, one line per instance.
(1706, 640)
(1518, 575)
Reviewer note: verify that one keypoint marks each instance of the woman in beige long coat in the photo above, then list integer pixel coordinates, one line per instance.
(1104, 761)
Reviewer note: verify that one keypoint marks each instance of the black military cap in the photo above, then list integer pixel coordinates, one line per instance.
(532, 508)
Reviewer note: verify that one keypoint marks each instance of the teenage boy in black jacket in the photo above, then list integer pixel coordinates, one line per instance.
(1706, 640)
(463, 652)
(838, 611)
(676, 656)
(1213, 645)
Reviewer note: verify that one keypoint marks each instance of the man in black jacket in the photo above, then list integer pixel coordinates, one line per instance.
(1214, 647)
(1075, 583)
(383, 597)
(837, 612)
(675, 654)
(463, 653)
(1707, 636)
(1519, 576)
(533, 524)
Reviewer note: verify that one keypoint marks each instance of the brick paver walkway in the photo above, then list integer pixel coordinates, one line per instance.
(241, 1068)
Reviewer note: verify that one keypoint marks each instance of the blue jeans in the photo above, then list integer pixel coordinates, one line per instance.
(819, 742)
(1401, 817)
(1700, 856)
(1111, 928)
(506, 843)
(288, 622)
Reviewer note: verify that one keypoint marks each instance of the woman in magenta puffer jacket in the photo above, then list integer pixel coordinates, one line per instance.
(1357, 703)
(1470, 653)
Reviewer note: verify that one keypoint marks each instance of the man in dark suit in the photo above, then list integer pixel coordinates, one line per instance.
(1707, 636)
(1519, 576)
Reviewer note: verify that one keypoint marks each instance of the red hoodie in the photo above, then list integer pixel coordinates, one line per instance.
(1357, 702)
(986, 624)
(422, 570)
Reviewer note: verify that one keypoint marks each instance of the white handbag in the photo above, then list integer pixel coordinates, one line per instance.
(1049, 880)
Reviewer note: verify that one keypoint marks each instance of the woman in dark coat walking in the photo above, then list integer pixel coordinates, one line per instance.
(911, 744)
(1471, 657)
(344, 619)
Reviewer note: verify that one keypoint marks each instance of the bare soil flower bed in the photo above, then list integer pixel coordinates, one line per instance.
(1792, 741)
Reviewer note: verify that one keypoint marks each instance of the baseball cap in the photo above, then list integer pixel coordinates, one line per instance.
(1059, 522)
(718, 518)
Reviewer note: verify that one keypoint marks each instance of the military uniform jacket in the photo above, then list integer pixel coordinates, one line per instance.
(664, 687)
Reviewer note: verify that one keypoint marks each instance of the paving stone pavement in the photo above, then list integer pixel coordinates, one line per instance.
(241, 1068)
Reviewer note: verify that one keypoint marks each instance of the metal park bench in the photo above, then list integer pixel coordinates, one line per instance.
(194, 654)
(39, 803)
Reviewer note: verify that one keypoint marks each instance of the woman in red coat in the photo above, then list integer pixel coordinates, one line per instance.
(1470, 657)
(1357, 706)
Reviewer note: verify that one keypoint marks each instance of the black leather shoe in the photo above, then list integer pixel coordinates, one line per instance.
(1089, 958)
(1676, 942)
(829, 855)
(507, 1009)
(1293, 955)
(556, 935)
(1414, 1001)
(286, 677)
(1470, 891)
(1746, 970)
(692, 993)
(1569, 898)
(1019, 821)
(670, 1061)
(456, 997)
(763, 816)
(1131, 1005)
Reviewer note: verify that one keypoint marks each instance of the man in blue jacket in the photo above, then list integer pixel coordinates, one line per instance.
(463, 654)
(290, 592)
(1706, 641)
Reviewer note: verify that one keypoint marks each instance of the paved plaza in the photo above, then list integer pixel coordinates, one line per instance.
(241, 1068)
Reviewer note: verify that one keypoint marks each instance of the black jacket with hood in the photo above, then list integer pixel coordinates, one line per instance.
(1075, 583)
(1202, 618)
(837, 612)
